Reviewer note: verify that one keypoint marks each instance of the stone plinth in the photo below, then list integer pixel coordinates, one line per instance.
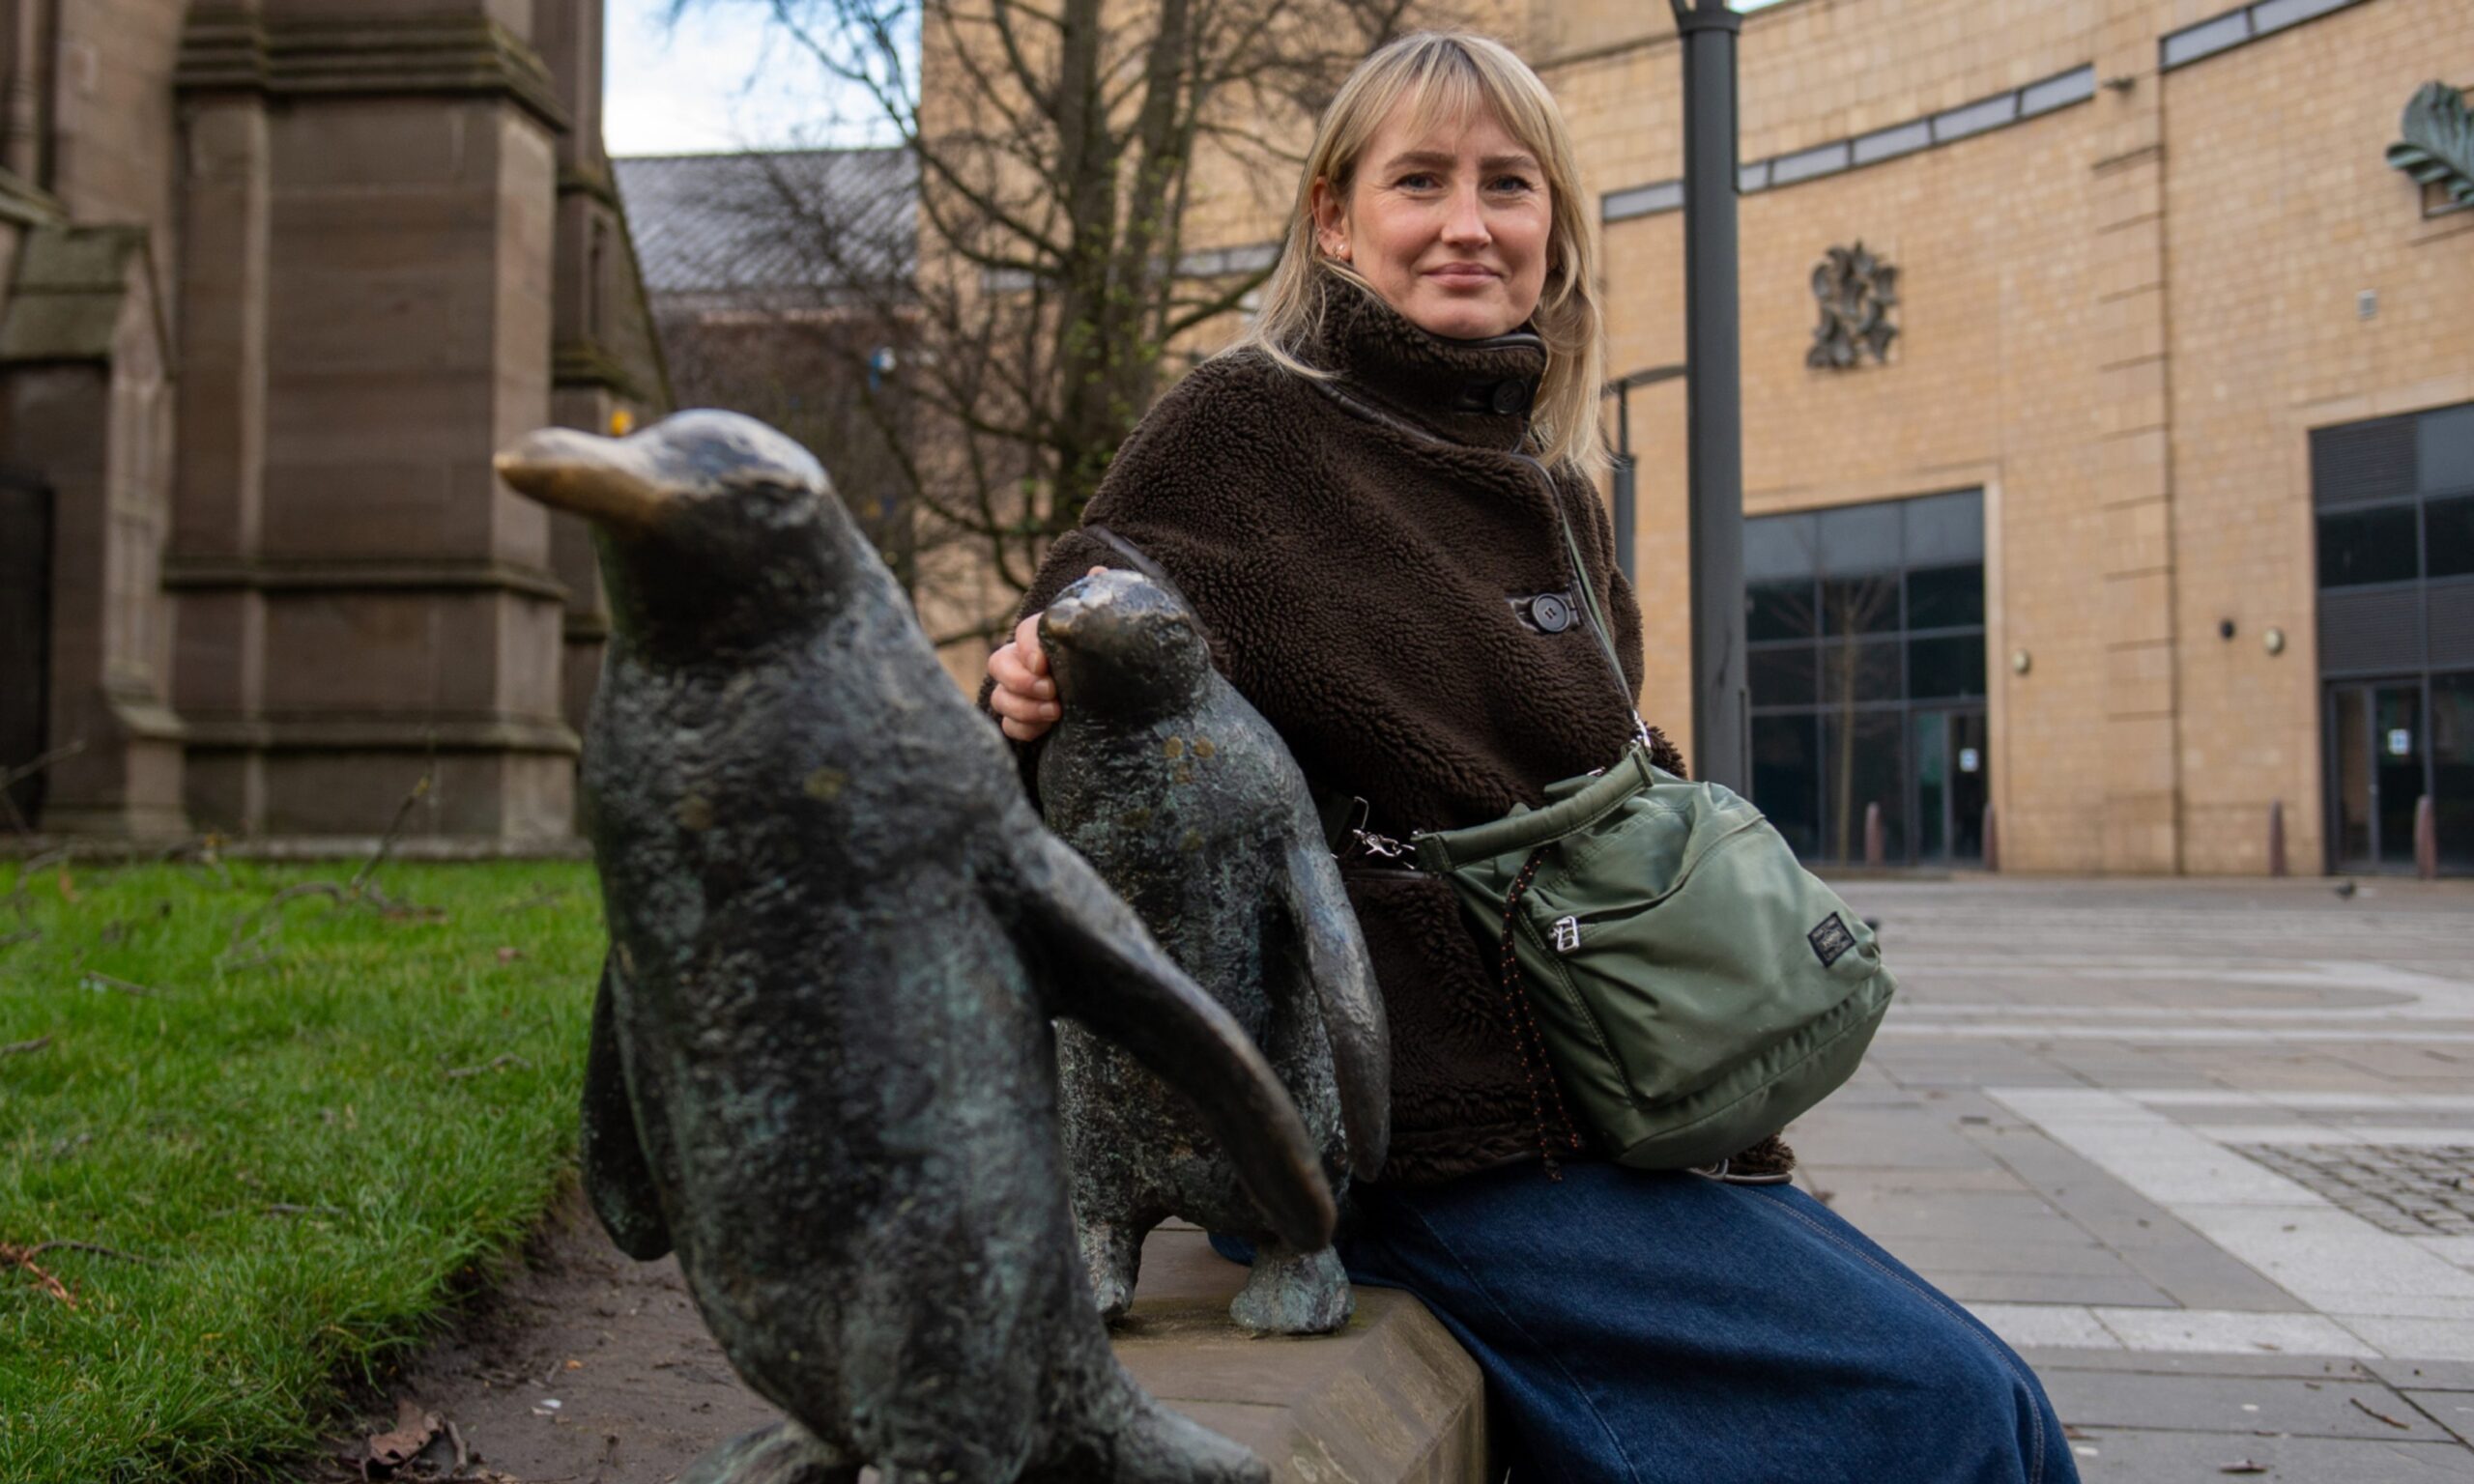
(1392, 1397)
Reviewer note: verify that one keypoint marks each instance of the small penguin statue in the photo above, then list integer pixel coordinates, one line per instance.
(822, 1065)
(1190, 805)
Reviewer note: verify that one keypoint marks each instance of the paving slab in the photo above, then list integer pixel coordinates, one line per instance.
(2107, 1456)
(2423, 1374)
(2451, 1410)
(2240, 1405)
(2144, 1069)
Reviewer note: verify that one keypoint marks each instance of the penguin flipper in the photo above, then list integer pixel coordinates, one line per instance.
(1104, 970)
(1326, 946)
(618, 1179)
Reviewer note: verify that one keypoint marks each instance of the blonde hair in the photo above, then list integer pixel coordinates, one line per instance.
(1444, 76)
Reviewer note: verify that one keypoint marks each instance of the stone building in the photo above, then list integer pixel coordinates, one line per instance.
(277, 277)
(2108, 415)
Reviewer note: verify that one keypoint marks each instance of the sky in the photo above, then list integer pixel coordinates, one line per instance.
(720, 79)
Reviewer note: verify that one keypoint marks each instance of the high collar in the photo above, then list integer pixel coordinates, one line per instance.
(1476, 392)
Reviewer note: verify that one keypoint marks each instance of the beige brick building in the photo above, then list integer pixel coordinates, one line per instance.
(2146, 251)
(2174, 342)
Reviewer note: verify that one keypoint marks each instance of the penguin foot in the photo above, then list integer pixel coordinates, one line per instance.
(1112, 1257)
(785, 1453)
(1294, 1293)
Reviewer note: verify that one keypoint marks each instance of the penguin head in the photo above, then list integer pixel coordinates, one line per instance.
(713, 526)
(1121, 644)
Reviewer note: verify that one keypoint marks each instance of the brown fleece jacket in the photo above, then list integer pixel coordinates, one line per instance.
(1356, 550)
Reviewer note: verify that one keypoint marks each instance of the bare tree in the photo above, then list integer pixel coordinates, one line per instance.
(1066, 155)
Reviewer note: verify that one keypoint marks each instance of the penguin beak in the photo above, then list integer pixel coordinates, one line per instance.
(1059, 621)
(598, 478)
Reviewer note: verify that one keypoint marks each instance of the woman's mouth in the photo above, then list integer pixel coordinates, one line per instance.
(1464, 273)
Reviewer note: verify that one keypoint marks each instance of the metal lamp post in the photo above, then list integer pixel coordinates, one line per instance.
(1721, 743)
(1626, 495)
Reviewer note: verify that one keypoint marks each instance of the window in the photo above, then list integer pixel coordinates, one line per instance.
(1862, 623)
(2357, 547)
(2448, 536)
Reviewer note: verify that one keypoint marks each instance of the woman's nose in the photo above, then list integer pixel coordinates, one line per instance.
(1465, 223)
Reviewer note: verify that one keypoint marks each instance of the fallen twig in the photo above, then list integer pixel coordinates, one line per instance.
(63, 1244)
(25, 770)
(394, 828)
(504, 1059)
(21, 1048)
(256, 927)
(124, 986)
(287, 1209)
(540, 898)
(2369, 1412)
(16, 1256)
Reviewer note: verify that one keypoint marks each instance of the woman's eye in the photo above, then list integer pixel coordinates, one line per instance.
(1418, 180)
(1512, 184)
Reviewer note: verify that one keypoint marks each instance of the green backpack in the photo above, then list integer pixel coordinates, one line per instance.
(1692, 985)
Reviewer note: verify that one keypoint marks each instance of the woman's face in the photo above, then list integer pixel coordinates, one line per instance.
(1451, 226)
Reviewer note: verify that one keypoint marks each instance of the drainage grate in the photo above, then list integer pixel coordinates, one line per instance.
(2414, 1190)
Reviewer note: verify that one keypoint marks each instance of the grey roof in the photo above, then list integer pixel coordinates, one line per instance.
(763, 224)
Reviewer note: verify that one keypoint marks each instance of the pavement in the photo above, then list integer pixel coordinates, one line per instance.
(2202, 1151)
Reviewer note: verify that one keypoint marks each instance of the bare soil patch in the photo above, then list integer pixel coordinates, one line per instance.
(584, 1367)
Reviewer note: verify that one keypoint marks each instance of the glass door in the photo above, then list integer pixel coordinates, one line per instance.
(1953, 781)
(2378, 759)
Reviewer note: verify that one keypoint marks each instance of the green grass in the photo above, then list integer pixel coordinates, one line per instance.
(314, 1139)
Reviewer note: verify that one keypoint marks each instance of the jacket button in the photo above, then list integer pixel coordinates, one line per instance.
(1551, 614)
(1512, 397)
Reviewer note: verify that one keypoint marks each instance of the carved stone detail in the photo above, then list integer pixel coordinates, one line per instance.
(1857, 292)
(2438, 147)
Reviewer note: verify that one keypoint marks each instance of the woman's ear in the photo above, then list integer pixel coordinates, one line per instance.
(1331, 226)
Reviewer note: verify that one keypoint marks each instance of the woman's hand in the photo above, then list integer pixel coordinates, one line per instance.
(1024, 699)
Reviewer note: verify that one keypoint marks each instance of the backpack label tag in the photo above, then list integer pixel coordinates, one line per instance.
(1831, 940)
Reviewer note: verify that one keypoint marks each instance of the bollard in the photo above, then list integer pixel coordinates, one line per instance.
(2426, 839)
(1872, 837)
(2276, 837)
(1992, 841)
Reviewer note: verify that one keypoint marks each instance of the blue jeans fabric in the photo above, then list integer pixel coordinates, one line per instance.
(1664, 1329)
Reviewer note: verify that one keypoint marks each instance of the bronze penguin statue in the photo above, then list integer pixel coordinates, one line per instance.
(1188, 804)
(822, 1064)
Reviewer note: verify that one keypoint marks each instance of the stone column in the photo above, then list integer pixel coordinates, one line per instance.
(2135, 466)
(227, 196)
(385, 610)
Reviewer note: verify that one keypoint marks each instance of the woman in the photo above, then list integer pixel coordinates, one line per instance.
(1361, 500)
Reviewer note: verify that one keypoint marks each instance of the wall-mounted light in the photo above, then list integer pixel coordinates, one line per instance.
(2273, 641)
(2020, 661)
(2225, 628)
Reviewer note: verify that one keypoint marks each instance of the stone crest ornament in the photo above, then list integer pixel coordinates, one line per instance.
(2438, 147)
(823, 1069)
(1188, 803)
(1857, 292)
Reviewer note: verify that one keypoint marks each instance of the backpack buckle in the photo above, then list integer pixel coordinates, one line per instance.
(1568, 934)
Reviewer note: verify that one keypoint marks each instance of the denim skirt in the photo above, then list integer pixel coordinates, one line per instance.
(1666, 1329)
